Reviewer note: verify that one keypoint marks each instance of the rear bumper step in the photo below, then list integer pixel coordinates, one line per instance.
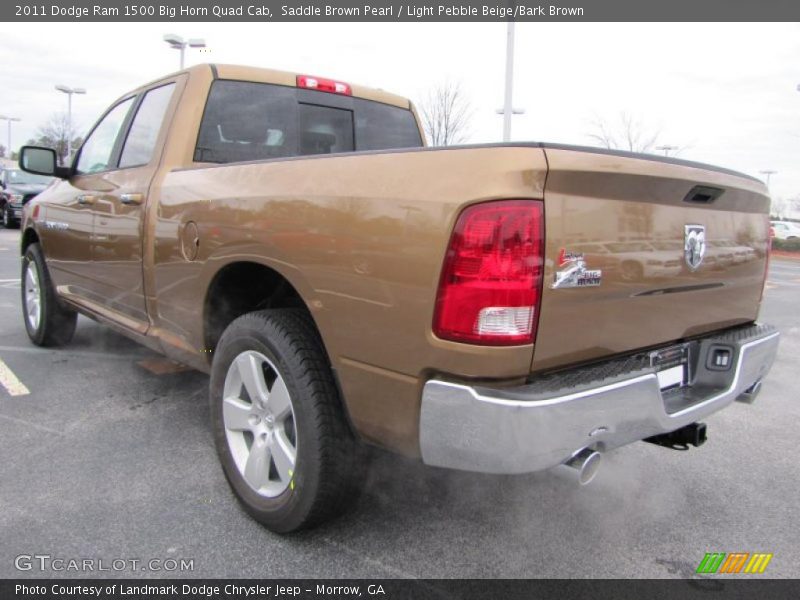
(542, 425)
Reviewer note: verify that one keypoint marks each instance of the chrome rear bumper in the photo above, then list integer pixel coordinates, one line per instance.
(536, 426)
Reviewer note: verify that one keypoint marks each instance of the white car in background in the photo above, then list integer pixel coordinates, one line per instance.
(786, 230)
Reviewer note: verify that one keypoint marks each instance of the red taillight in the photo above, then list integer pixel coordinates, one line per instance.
(491, 280)
(323, 85)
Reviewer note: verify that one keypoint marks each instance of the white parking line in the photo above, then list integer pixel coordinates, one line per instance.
(10, 381)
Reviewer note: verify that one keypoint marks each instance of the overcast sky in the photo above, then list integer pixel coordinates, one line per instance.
(726, 93)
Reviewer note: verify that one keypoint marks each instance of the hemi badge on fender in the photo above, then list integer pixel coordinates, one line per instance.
(57, 225)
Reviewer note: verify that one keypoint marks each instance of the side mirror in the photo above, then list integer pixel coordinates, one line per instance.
(41, 161)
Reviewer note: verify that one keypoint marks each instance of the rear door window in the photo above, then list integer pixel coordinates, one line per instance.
(138, 149)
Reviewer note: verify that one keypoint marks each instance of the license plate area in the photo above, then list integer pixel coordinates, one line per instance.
(672, 367)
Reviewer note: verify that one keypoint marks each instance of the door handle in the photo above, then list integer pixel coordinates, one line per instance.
(131, 198)
(85, 199)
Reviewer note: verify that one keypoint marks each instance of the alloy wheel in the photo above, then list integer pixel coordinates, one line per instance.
(33, 296)
(259, 422)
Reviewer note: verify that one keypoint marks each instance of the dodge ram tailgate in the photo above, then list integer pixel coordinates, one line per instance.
(642, 251)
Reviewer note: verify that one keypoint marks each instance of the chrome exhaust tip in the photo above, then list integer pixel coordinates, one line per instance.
(749, 395)
(583, 465)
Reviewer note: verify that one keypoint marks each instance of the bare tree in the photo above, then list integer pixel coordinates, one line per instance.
(778, 207)
(627, 134)
(446, 113)
(54, 133)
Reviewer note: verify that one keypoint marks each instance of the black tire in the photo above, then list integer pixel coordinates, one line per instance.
(329, 461)
(56, 323)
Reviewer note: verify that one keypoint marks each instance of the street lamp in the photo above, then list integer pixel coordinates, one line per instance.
(69, 91)
(666, 149)
(176, 42)
(9, 119)
(514, 111)
(508, 108)
(768, 173)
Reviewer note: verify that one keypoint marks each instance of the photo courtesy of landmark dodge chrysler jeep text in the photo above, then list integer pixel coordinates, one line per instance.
(498, 308)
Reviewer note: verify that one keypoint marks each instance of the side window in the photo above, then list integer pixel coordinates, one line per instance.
(141, 141)
(97, 149)
(247, 121)
(324, 130)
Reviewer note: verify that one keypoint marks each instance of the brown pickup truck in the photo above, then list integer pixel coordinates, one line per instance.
(497, 308)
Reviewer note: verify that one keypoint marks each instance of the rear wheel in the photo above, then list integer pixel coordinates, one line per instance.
(278, 423)
(8, 221)
(47, 321)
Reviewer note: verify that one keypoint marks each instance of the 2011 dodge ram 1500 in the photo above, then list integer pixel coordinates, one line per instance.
(497, 308)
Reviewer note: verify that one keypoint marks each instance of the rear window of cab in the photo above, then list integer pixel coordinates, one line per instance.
(246, 121)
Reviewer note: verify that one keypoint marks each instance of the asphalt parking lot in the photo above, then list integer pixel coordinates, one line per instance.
(104, 459)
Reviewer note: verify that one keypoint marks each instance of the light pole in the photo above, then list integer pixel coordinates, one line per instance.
(176, 42)
(9, 119)
(768, 173)
(666, 149)
(69, 91)
(508, 108)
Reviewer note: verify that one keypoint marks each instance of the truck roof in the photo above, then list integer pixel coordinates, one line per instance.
(276, 77)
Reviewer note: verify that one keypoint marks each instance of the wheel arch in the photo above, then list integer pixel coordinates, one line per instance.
(243, 286)
(231, 294)
(28, 237)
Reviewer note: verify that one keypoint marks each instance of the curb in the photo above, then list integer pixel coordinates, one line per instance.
(777, 254)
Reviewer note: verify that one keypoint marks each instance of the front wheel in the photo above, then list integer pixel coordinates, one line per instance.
(47, 321)
(278, 423)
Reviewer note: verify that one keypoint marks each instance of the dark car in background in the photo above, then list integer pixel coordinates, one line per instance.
(17, 189)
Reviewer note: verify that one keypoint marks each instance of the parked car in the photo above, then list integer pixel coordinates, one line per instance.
(786, 230)
(343, 285)
(17, 188)
(642, 259)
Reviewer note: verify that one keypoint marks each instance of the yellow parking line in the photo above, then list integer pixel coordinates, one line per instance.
(10, 381)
